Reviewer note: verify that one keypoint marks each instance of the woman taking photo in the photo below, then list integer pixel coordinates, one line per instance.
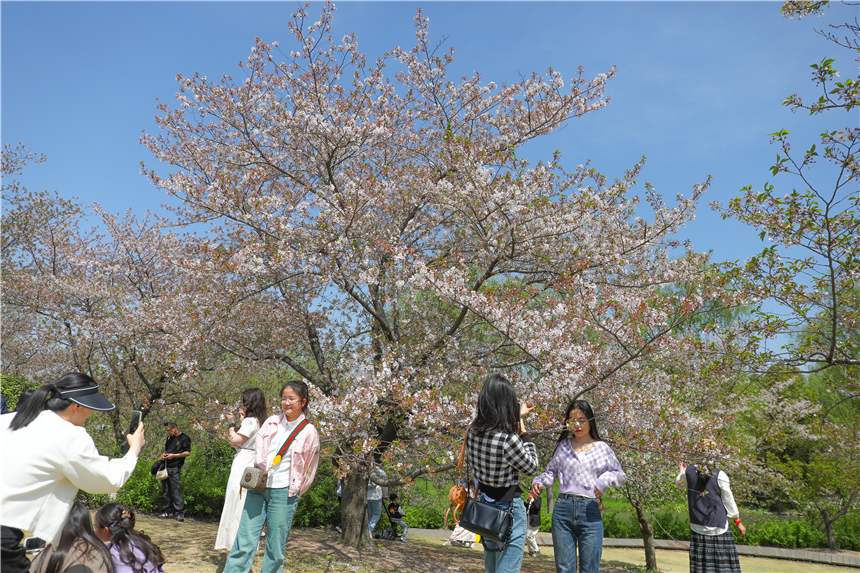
(251, 416)
(291, 465)
(585, 467)
(131, 551)
(499, 449)
(54, 457)
(79, 549)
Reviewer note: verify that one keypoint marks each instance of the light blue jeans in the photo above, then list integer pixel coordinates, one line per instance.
(374, 510)
(511, 559)
(273, 508)
(577, 521)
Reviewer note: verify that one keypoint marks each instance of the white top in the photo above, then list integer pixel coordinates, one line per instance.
(249, 428)
(728, 502)
(46, 463)
(279, 475)
(377, 491)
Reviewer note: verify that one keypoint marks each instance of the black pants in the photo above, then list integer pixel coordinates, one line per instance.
(171, 488)
(13, 556)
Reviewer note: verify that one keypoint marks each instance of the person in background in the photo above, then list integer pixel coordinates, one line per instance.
(251, 416)
(177, 447)
(288, 446)
(500, 449)
(130, 551)
(711, 505)
(79, 549)
(585, 467)
(395, 516)
(375, 495)
(54, 458)
(533, 510)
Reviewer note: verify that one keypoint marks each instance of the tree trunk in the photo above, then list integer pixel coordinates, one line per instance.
(550, 500)
(647, 538)
(828, 528)
(354, 510)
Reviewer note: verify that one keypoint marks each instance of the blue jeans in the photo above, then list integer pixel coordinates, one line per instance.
(511, 559)
(374, 510)
(273, 508)
(577, 520)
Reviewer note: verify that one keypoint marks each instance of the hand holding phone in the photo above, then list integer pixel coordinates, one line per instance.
(135, 422)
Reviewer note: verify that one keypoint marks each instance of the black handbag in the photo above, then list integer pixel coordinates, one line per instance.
(488, 521)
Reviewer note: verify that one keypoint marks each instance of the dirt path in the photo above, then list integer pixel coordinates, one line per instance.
(188, 548)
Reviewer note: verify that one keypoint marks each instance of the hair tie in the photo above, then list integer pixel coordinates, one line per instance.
(126, 514)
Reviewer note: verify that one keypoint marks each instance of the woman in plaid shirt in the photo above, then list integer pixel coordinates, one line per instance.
(585, 467)
(499, 449)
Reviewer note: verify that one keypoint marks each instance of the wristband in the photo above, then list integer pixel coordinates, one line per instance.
(233, 425)
(738, 521)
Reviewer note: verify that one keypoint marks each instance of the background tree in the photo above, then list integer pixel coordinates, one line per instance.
(808, 437)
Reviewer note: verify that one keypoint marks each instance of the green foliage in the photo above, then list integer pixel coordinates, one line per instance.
(619, 525)
(204, 478)
(847, 532)
(787, 534)
(13, 386)
(318, 506)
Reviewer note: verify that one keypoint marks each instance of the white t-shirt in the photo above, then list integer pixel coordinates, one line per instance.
(250, 426)
(279, 475)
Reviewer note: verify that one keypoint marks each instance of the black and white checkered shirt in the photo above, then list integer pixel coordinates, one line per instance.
(497, 458)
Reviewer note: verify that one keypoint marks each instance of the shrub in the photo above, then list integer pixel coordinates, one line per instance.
(13, 386)
(788, 534)
(318, 506)
(847, 532)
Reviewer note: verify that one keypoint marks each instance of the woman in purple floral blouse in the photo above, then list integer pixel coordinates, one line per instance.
(585, 467)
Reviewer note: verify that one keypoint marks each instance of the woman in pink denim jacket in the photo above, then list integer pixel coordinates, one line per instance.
(288, 479)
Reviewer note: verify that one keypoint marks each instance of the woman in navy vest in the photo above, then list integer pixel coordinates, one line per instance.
(711, 505)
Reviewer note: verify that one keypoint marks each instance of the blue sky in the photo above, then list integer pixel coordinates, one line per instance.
(698, 89)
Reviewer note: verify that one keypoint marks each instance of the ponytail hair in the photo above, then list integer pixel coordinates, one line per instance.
(119, 521)
(78, 540)
(48, 398)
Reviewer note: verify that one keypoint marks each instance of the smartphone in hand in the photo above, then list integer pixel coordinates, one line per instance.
(135, 422)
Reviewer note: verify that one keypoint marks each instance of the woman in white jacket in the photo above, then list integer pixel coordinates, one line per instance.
(51, 456)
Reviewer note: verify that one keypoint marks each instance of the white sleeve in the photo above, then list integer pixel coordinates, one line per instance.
(95, 473)
(249, 427)
(728, 497)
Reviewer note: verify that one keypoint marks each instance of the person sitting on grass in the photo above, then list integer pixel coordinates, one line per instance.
(395, 516)
(78, 549)
(131, 551)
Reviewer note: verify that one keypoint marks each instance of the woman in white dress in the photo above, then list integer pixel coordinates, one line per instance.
(252, 414)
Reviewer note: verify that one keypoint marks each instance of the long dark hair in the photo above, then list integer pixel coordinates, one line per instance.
(48, 398)
(299, 388)
(498, 407)
(584, 407)
(119, 521)
(255, 404)
(78, 538)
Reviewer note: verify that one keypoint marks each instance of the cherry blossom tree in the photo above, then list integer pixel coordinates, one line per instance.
(113, 302)
(383, 239)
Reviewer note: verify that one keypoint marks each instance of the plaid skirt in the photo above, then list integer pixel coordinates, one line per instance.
(713, 553)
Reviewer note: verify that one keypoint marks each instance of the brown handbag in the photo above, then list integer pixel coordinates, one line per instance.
(458, 494)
